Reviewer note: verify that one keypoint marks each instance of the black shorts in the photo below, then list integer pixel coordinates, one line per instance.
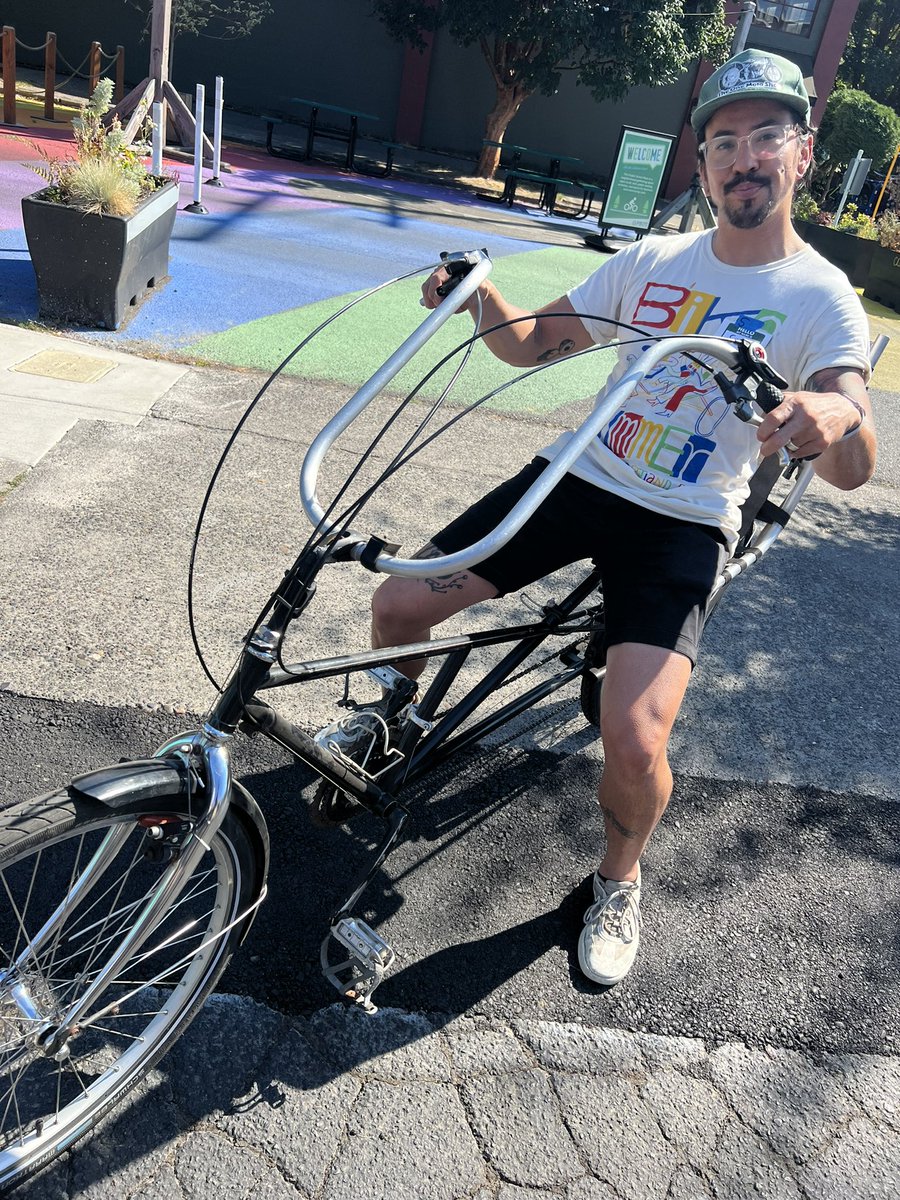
(658, 571)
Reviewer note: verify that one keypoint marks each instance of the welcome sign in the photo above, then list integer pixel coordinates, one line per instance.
(636, 178)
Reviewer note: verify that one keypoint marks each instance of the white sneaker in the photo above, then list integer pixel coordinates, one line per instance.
(612, 930)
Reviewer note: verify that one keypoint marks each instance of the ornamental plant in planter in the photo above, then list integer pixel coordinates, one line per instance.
(849, 246)
(98, 233)
(883, 283)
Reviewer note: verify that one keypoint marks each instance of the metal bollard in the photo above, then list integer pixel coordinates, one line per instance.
(156, 142)
(196, 205)
(214, 180)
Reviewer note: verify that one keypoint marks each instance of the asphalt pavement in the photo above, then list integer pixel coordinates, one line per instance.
(753, 1050)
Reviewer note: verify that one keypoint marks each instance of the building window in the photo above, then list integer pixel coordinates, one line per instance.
(795, 16)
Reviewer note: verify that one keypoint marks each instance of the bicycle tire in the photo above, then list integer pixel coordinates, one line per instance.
(592, 679)
(46, 1104)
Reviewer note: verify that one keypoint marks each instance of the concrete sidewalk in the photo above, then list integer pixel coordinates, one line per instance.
(49, 383)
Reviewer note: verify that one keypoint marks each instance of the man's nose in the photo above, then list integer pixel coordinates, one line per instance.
(746, 159)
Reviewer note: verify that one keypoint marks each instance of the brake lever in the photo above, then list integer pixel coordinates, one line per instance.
(457, 264)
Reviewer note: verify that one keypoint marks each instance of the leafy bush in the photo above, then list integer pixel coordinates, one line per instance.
(887, 228)
(853, 121)
(804, 207)
(107, 175)
(853, 221)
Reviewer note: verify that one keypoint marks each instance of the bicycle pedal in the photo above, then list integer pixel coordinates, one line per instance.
(390, 678)
(363, 942)
(370, 957)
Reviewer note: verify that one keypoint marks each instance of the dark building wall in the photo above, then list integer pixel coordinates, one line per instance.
(461, 93)
(336, 52)
(339, 53)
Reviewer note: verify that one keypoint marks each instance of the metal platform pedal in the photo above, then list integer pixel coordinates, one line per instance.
(357, 977)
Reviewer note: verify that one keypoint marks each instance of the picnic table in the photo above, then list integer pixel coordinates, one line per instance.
(348, 135)
(515, 172)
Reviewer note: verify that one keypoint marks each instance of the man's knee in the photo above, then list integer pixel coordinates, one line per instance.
(634, 748)
(396, 604)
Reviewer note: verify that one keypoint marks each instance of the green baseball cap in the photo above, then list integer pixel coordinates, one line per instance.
(750, 75)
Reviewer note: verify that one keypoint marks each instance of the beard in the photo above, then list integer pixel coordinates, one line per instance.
(748, 214)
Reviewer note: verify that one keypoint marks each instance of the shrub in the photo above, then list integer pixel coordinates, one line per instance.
(853, 121)
(887, 229)
(107, 175)
(804, 207)
(853, 221)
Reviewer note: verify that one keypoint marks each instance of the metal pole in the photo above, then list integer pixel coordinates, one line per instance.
(887, 179)
(851, 175)
(196, 206)
(215, 181)
(745, 20)
(157, 140)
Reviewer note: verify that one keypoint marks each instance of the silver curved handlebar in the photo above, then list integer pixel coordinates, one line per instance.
(727, 352)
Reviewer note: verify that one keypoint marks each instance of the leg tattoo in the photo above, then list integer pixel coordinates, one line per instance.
(440, 583)
(617, 824)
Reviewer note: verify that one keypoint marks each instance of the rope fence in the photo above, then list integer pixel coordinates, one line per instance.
(96, 60)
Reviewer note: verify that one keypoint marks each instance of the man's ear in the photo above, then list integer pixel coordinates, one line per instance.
(805, 157)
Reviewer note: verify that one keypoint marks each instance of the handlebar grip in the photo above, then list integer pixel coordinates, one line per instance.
(768, 396)
(457, 265)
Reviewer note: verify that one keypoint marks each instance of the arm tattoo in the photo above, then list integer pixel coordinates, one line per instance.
(440, 583)
(617, 824)
(566, 346)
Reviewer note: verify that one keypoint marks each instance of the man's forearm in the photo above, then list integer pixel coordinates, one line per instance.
(848, 463)
(514, 344)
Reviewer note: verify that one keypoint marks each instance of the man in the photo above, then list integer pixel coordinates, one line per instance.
(655, 500)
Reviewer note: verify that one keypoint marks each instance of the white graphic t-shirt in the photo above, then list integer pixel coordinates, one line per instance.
(676, 446)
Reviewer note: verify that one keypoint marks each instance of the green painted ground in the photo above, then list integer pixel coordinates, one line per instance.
(357, 343)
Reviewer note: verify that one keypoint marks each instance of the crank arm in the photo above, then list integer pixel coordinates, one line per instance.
(357, 977)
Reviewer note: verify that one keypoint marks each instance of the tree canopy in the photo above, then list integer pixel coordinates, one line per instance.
(211, 18)
(853, 121)
(529, 44)
(871, 60)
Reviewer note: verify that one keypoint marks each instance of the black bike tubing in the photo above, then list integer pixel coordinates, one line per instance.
(448, 748)
(299, 743)
(453, 719)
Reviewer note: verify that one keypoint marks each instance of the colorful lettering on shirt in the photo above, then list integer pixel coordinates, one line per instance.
(684, 310)
(659, 448)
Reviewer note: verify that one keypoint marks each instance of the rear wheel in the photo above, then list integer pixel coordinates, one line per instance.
(592, 678)
(52, 1092)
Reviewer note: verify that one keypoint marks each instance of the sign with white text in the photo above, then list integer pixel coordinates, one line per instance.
(636, 178)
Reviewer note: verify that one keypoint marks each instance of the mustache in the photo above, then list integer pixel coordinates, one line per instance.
(760, 180)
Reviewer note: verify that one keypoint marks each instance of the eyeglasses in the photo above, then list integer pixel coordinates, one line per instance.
(767, 142)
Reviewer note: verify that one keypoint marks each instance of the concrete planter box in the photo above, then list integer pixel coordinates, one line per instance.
(90, 269)
(845, 250)
(883, 283)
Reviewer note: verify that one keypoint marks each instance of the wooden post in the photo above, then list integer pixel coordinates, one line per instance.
(93, 67)
(120, 75)
(49, 76)
(160, 34)
(9, 75)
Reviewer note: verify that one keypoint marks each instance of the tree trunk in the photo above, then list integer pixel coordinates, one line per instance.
(509, 101)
